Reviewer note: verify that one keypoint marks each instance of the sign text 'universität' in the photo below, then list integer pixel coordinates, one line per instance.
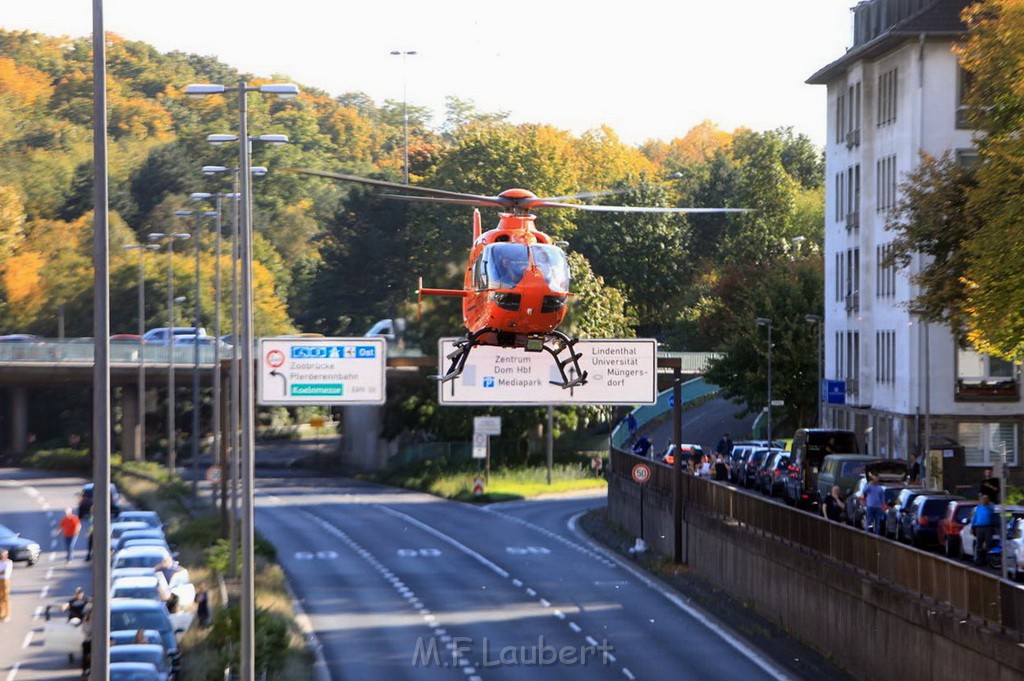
(619, 371)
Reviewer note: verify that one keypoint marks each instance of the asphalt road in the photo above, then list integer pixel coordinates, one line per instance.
(399, 585)
(32, 503)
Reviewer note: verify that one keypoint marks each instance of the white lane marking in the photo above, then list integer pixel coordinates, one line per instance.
(545, 602)
(49, 573)
(628, 674)
(28, 639)
(559, 614)
(32, 492)
(738, 644)
(531, 592)
(14, 671)
(591, 640)
(44, 592)
(46, 506)
(575, 627)
(38, 612)
(516, 583)
(445, 538)
(611, 658)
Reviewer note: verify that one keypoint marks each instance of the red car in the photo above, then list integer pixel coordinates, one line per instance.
(958, 514)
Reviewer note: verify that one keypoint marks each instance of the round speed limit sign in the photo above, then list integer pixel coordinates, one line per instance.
(275, 358)
(641, 473)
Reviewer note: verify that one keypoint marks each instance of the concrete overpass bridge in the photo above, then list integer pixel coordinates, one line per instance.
(28, 366)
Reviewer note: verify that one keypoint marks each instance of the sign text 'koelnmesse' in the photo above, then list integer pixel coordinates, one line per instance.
(619, 371)
(321, 371)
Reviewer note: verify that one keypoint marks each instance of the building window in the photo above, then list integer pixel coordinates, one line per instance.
(841, 119)
(885, 191)
(984, 442)
(853, 197)
(885, 356)
(964, 80)
(853, 116)
(887, 91)
(975, 367)
(885, 275)
(840, 197)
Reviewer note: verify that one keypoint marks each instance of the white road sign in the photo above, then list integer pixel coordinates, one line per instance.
(487, 425)
(321, 371)
(619, 371)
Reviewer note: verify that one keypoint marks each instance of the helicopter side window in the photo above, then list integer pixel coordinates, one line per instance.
(480, 273)
(505, 264)
(553, 265)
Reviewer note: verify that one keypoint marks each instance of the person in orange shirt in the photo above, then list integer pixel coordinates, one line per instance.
(69, 527)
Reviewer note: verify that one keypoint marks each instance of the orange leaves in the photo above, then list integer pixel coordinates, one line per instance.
(27, 85)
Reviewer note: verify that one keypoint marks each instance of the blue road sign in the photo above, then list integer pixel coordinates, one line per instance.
(834, 392)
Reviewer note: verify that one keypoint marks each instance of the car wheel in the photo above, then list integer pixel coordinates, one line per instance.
(32, 561)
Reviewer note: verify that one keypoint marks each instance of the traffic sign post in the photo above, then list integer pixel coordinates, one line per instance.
(619, 371)
(327, 371)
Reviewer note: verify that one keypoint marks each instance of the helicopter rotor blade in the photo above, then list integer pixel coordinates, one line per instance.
(636, 209)
(482, 202)
(384, 184)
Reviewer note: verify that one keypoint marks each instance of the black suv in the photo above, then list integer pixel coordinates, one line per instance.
(85, 501)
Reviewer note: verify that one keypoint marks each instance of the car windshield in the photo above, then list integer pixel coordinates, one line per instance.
(506, 263)
(140, 560)
(852, 469)
(135, 592)
(132, 654)
(6, 532)
(136, 619)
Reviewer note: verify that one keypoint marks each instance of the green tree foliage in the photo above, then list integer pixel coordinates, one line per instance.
(783, 292)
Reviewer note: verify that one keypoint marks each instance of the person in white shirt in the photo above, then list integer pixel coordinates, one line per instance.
(6, 568)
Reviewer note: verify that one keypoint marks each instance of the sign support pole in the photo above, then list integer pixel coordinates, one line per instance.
(677, 466)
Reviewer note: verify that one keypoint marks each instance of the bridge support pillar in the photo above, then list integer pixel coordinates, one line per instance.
(132, 430)
(18, 416)
(363, 448)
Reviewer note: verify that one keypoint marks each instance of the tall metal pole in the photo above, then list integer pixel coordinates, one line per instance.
(196, 396)
(233, 417)
(769, 384)
(216, 425)
(677, 465)
(248, 605)
(821, 373)
(172, 445)
(140, 436)
(405, 111)
(100, 664)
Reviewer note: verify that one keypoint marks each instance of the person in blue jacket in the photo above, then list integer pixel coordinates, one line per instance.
(983, 526)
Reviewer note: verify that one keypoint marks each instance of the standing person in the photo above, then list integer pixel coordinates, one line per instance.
(721, 468)
(833, 506)
(6, 568)
(202, 604)
(990, 486)
(915, 468)
(983, 525)
(874, 501)
(724, 446)
(631, 423)
(69, 528)
(86, 629)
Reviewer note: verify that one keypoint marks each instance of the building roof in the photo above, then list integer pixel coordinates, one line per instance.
(938, 18)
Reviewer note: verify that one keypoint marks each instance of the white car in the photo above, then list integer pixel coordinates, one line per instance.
(118, 528)
(147, 586)
(140, 556)
(150, 518)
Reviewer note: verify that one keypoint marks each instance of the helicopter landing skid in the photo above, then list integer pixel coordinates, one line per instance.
(554, 343)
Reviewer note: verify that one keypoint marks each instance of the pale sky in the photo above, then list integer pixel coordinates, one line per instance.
(646, 68)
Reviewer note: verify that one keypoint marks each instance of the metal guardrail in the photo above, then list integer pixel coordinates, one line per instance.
(75, 351)
(963, 588)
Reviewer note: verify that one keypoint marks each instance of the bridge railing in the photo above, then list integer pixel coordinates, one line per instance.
(120, 352)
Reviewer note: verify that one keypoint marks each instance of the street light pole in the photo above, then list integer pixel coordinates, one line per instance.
(762, 321)
(819, 321)
(140, 439)
(172, 445)
(405, 110)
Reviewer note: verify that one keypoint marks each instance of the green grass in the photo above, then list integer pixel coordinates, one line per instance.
(504, 484)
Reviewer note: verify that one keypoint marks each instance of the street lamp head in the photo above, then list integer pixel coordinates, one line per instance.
(220, 138)
(200, 196)
(283, 90)
(675, 176)
(213, 170)
(798, 240)
(200, 89)
(763, 321)
(259, 170)
(271, 139)
(812, 318)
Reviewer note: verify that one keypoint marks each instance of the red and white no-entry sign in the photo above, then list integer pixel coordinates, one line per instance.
(478, 486)
(641, 473)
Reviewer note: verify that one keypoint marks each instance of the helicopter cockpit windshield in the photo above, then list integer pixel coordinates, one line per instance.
(506, 263)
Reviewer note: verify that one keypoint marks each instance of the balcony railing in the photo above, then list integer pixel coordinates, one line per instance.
(987, 391)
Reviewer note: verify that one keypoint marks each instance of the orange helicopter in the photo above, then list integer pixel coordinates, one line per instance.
(516, 284)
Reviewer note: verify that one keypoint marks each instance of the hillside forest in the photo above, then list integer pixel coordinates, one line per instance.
(332, 258)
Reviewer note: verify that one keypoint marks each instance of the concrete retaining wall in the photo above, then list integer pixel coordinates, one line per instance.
(872, 628)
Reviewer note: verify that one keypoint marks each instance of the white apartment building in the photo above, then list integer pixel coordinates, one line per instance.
(893, 94)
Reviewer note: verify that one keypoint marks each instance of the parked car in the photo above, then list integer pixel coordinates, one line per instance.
(18, 548)
(891, 474)
(147, 587)
(856, 512)
(895, 515)
(776, 481)
(143, 652)
(161, 335)
(957, 514)
(766, 471)
(922, 519)
(139, 613)
(150, 518)
(690, 453)
(123, 637)
(737, 458)
(748, 471)
(118, 528)
(967, 542)
(847, 470)
(810, 447)
(140, 556)
(115, 498)
(146, 533)
(1013, 550)
(133, 671)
